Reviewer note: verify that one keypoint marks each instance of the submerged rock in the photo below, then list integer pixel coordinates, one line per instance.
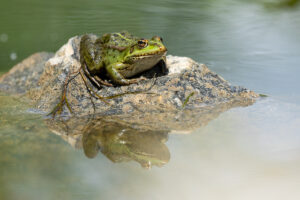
(188, 84)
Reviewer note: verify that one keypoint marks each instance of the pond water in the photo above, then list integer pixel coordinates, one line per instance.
(244, 153)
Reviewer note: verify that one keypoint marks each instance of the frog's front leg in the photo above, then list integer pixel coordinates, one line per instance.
(117, 77)
(95, 79)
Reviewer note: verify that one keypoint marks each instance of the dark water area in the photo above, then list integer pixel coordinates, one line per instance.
(244, 153)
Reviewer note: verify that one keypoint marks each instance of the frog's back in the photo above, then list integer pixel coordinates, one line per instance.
(122, 39)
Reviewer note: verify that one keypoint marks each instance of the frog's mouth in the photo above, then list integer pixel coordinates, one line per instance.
(148, 55)
(160, 52)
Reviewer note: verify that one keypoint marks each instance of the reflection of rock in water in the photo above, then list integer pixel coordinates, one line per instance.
(140, 137)
(118, 141)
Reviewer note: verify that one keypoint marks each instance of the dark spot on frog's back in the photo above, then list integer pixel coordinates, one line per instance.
(115, 35)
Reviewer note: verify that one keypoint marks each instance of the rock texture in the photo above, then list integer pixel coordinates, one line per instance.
(41, 78)
(25, 75)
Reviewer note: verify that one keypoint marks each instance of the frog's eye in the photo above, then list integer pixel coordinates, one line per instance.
(142, 43)
(157, 38)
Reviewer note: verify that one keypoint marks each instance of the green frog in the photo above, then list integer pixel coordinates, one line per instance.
(120, 56)
(117, 57)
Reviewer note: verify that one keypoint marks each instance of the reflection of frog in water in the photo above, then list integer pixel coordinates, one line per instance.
(122, 143)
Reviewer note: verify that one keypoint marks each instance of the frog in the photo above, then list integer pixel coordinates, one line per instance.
(120, 56)
(115, 59)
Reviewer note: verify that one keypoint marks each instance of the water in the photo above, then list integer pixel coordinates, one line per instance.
(245, 153)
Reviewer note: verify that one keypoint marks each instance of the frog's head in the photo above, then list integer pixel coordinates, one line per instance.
(143, 54)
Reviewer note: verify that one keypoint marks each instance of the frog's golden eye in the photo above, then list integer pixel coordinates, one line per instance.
(142, 43)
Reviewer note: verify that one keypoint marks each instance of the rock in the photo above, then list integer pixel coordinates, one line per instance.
(25, 75)
(41, 78)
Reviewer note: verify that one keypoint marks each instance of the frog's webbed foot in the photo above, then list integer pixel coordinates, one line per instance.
(63, 100)
(125, 81)
(137, 80)
(59, 107)
(103, 82)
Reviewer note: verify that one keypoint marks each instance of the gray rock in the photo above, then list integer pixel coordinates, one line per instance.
(25, 75)
(41, 78)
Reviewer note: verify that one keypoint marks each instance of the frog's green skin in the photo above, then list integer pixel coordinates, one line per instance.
(120, 56)
(122, 143)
